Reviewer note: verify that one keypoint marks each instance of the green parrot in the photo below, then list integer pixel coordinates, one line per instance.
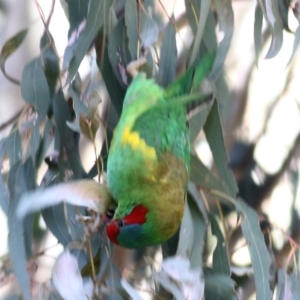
(149, 160)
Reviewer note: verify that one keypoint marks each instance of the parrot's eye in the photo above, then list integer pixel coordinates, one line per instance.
(110, 213)
(120, 223)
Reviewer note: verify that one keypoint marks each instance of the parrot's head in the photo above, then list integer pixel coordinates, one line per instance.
(130, 231)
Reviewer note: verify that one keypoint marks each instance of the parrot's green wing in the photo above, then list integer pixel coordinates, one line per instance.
(164, 126)
(191, 79)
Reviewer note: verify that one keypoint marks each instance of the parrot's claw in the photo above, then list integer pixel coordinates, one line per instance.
(132, 67)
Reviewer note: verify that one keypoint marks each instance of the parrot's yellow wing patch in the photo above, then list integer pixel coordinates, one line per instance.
(133, 139)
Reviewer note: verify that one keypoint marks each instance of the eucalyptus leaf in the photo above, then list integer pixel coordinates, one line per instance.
(225, 18)
(50, 61)
(16, 238)
(56, 222)
(284, 290)
(260, 258)
(201, 176)
(8, 49)
(115, 90)
(79, 108)
(34, 88)
(283, 8)
(68, 142)
(199, 237)
(204, 10)
(118, 53)
(86, 32)
(186, 234)
(4, 197)
(220, 257)
(131, 22)
(219, 286)
(271, 13)
(168, 56)
(47, 138)
(214, 136)
(257, 30)
(77, 12)
(296, 41)
(193, 11)
(149, 30)
(13, 146)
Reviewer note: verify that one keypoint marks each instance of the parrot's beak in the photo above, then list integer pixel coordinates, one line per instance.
(108, 216)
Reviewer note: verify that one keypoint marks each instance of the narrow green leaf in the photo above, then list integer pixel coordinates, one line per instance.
(209, 34)
(194, 192)
(220, 257)
(193, 229)
(47, 138)
(204, 10)
(34, 88)
(219, 286)
(149, 30)
(214, 136)
(79, 109)
(258, 22)
(98, 13)
(78, 10)
(16, 238)
(296, 41)
(283, 8)
(50, 61)
(168, 56)
(295, 279)
(193, 11)
(115, 90)
(35, 141)
(8, 49)
(260, 257)
(199, 236)
(4, 197)
(131, 22)
(186, 234)
(118, 53)
(283, 286)
(271, 13)
(201, 176)
(68, 142)
(225, 18)
(13, 146)
(55, 220)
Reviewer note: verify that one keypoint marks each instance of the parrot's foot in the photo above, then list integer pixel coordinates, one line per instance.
(132, 67)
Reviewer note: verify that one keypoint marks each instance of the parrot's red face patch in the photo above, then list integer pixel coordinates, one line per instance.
(136, 217)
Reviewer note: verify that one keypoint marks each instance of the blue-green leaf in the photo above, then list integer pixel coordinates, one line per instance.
(225, 19)
(271, 13)
(260, 258)
(131, 22)
(214, 136)
(8, 49)
(16, 238)
(34, 88)
(79, 45)
(168, 56)
(258, 21)
(219, 286)
(220, 256)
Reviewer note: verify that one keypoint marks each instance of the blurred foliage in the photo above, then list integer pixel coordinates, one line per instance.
(62, 106)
